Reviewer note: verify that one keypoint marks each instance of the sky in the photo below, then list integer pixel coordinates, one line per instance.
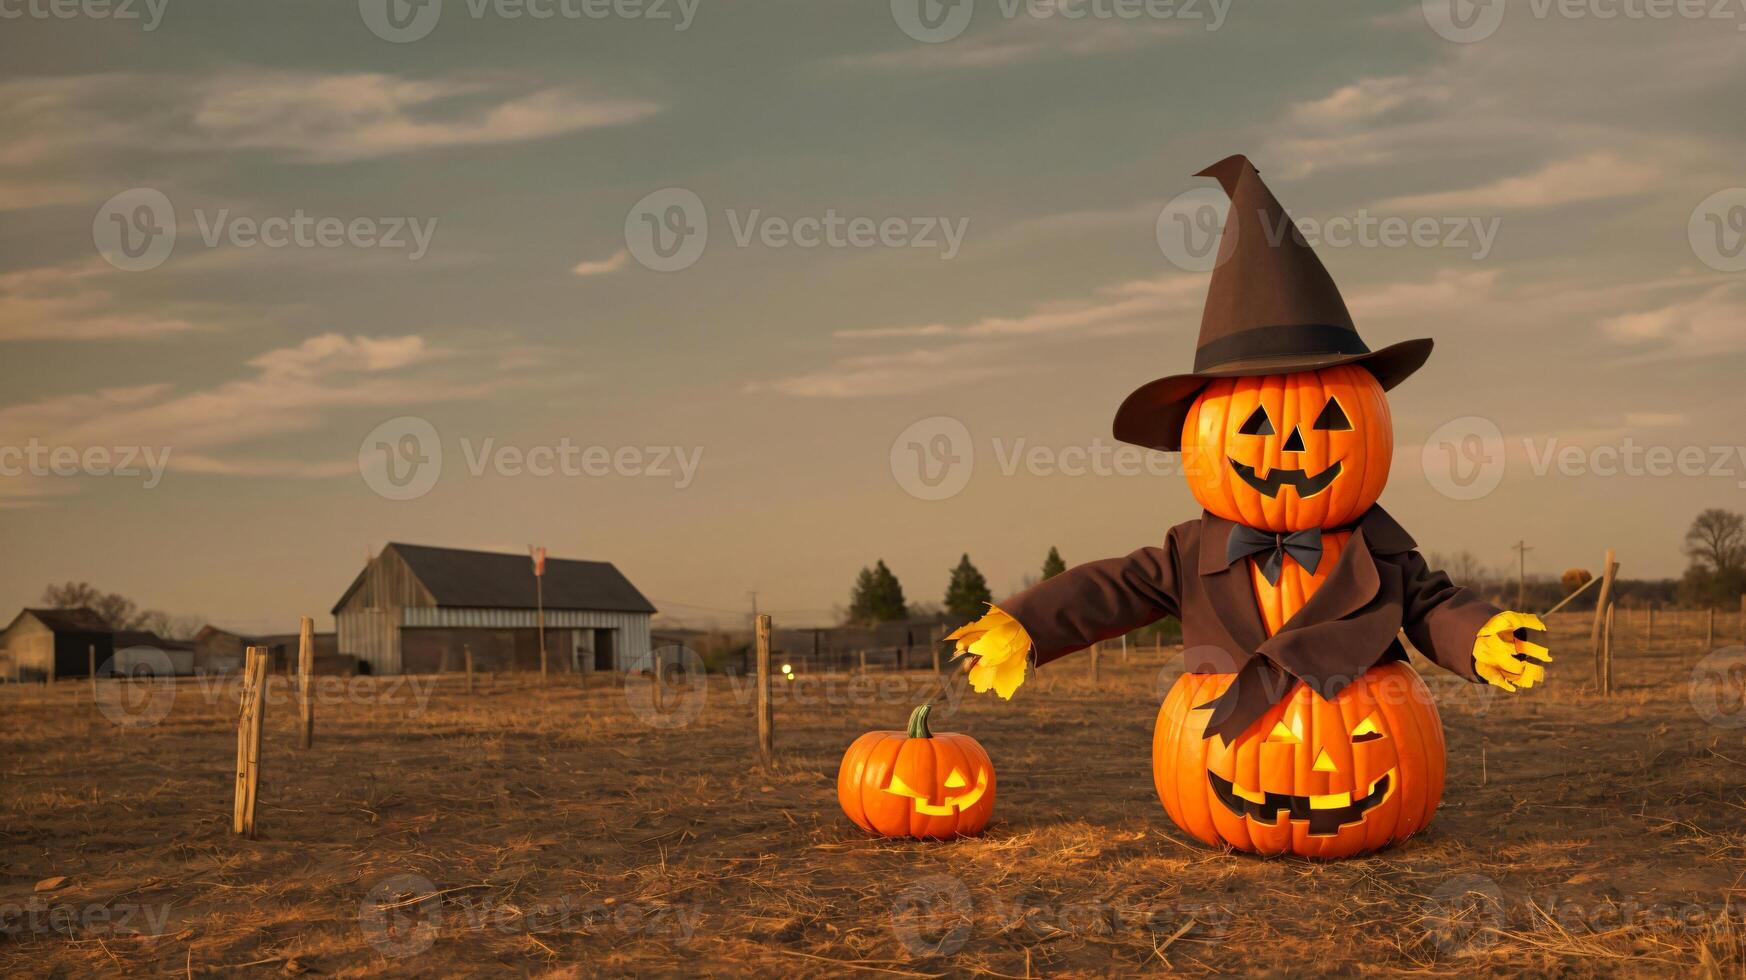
(744, 296)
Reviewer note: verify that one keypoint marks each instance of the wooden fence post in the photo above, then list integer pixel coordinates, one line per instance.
(1096, 667)
(467, 658)
(91, 658)
(766, 719)
(863, 661)
(1602, 603)
(1607, 654)
(306, 682)
(248, 740)
(1649, 630)
(939, 638)
(1710, 629)
(1124, 649)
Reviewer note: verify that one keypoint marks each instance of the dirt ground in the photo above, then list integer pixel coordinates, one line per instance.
(590, 832)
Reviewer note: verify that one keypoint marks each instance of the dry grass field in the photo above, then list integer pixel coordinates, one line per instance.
(558, 832)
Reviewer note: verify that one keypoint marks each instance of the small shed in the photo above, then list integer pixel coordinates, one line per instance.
(48, 644)
(417, 609)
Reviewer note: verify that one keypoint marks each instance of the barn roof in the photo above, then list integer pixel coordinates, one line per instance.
(78, 620)
(491, 580)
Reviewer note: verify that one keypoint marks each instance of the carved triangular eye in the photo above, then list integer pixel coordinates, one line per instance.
(1333, 418)
(1258, 424)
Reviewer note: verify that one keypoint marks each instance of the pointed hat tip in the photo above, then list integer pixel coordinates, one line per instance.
(1227, 172)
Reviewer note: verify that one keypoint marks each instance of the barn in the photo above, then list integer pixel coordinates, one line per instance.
(414, 608)
(46, 644)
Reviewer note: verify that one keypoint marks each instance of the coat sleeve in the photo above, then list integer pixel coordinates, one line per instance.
(1441, 618)
(1098, 600)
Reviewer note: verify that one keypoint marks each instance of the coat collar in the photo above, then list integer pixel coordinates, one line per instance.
(1381, 532)
(1350, 585)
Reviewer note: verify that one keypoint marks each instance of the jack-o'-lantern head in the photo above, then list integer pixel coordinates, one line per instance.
(1315, 777)
(1285, 400)
(1287, 452)
(917, 783)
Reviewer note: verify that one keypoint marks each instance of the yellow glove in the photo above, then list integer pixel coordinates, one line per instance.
(1501, 659)
(998, 648)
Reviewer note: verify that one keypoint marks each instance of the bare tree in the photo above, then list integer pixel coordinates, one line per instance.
(117, 610)
(1717, 540)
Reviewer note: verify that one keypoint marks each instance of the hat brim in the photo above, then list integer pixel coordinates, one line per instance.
(1153, 415)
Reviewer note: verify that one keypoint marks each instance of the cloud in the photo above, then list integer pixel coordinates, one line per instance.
(1713, 322)
(209, 430)
(1126, 304)
(606, 266)
(901, 373)
(362, 116)
(82, 137)
(1586, 178)
(73, 302)
(1016, 41)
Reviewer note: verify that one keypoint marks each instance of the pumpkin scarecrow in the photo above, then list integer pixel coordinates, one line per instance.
(1298, 726)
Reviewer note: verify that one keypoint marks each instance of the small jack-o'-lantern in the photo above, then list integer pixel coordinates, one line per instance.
(1286, 452)
(1313, 777)
(917, 783)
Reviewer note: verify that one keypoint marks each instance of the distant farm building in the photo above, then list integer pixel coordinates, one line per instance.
(416, 609)
(46, 644)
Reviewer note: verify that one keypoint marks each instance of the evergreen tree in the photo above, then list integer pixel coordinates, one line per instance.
(877, 597)
(861, 599)
(1053, 565)
(967, 597)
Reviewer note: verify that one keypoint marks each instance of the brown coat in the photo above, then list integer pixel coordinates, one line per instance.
(1378, 587)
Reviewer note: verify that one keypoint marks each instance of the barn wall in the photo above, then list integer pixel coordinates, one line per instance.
(632, 628)
(32, 650)
(371, 635)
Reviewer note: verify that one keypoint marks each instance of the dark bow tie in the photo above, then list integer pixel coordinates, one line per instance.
(1305, 547)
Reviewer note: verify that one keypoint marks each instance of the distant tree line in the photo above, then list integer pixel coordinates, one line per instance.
(120, 612)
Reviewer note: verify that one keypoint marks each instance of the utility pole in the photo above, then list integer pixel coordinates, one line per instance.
(1521, 549)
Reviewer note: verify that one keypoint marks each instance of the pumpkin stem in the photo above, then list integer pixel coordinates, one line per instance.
(918, 722)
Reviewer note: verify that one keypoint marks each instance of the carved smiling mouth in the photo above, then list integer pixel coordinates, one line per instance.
(1326, 814)
(948, 805)
(1306, 486)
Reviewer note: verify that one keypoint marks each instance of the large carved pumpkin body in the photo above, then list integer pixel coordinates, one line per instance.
(1312, 777)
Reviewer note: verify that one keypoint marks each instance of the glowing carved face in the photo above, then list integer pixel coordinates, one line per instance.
(1313, 776)
(917, 783)
(1287, 452)
(966, 797)
(1325, 813)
